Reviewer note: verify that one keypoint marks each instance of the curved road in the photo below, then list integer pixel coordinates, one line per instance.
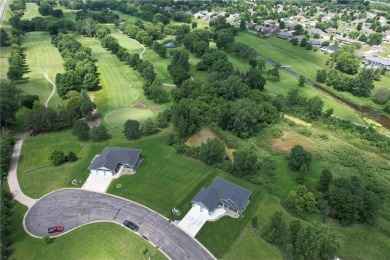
(74, 207)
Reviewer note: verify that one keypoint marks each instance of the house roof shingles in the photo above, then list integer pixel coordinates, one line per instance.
(225, 192)
(112, 156)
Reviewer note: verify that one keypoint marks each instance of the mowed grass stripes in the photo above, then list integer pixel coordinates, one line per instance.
(121, 86)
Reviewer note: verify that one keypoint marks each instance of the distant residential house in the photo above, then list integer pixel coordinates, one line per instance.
(285, 19)
(367, 31)
(377, 62)
(285, 35)
(314, 31)
(367, 25)
(345, 40)
(112, 158)
(378, 48)
(269, 22)
(315, 42)
(330, 48)
(332, 30)
(222, 193)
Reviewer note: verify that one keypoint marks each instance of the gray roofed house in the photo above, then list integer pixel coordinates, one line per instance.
(112, 158)
(222, 192)
(377, 62)
(285, 35)
(330, 48)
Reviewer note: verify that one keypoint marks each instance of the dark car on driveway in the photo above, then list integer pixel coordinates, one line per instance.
(131, 225)
(55, 229)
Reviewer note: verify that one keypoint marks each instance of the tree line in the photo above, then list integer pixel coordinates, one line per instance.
(80, 69)
(153, 88)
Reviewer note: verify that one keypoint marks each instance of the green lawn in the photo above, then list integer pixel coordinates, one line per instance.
(121, 85)
(31, 11)
(4, 54)
(301, 61)
(93, 241)
(41, 58)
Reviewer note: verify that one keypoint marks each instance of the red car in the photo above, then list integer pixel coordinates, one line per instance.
(55, 229)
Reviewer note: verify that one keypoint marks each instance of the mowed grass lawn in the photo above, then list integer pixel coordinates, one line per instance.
(41, 58)
(31, 11)
(160, 65)
(303, 62)
(4, 54)
(121, 86)
(90, 242)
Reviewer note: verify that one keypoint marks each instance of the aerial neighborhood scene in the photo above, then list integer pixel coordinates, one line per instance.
(172, 129)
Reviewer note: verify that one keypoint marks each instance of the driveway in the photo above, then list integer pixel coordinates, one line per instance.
(74, 207)
(97, 183)
(194, 220)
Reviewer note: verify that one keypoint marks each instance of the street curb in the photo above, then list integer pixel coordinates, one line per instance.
(24, 218)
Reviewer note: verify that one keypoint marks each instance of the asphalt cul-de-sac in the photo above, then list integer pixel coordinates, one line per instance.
(74, 207)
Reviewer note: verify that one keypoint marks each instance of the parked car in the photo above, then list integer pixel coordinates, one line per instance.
(55, 229)
(131, 225)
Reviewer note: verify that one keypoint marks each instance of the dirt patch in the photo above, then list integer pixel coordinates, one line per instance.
(289, 140)
(154, 109)
(202, 136)
(94, 121)
(139, 105)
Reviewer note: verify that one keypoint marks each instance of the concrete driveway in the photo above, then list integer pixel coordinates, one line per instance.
(194, 220)
(98, 183)
(74, 207)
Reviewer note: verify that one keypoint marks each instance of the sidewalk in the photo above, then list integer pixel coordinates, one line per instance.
(13, 178)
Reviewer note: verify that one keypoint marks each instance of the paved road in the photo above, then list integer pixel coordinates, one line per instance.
(2, 9)
(74, 207)
(12, 178)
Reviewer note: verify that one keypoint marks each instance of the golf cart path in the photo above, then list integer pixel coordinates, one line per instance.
(13, 183)
(143, 47)
(73, 208)
(53, 91)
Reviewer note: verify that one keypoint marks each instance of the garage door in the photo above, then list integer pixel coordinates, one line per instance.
(99, 172)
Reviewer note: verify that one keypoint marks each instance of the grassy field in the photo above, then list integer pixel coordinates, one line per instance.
(31, 11)
(4, 54)
(121, 86)
(93, 241)
(301, 61)
(41, 58)
(288, 83)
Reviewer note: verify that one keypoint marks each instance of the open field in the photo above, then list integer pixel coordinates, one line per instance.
(31, 11)
(93, 241)
(301, 61)
(41, 58)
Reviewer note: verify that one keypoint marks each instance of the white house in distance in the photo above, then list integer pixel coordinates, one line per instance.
(113, 158)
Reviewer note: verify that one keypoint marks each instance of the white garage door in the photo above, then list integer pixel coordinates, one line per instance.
(100, 172)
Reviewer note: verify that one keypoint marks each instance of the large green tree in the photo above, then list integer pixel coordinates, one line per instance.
(347, 62)
(298, 158)
(301, 201)
(212, 151)
(275, 230)
(245, 163)
(132, 129)
(81, 130)
(9, 103)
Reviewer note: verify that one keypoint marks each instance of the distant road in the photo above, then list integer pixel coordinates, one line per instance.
(2, 8)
